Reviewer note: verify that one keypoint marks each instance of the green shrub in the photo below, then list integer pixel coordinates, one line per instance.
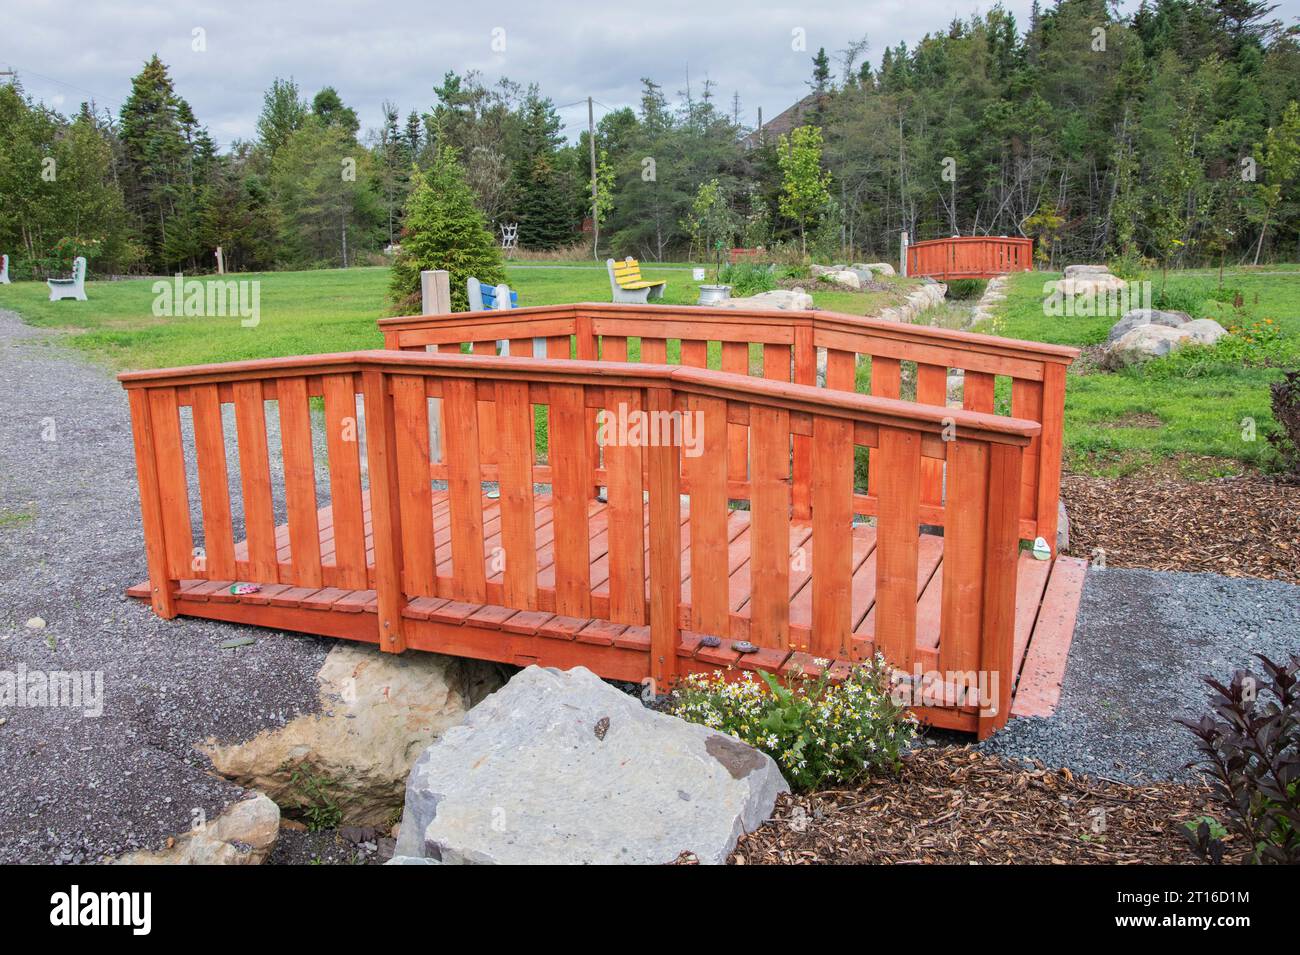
(1227, 294)
(1186, 297)
(820, 733)
(747, 278)
(1250, 749)
(444, 230)
(1130, 266)
(1259, 344)
(964, 289)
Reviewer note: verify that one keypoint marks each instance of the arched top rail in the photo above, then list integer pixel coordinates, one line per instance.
(795, 398)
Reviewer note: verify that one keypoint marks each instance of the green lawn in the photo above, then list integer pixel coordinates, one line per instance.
(1180, 410)
(313, 312)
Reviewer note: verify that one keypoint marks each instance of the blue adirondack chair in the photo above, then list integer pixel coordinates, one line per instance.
(488, 298)
(484, 298)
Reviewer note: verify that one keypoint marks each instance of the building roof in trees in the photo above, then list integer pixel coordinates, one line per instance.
(783, 122)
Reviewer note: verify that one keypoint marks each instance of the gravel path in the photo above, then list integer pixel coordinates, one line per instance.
(1143, 640)
(80, 788)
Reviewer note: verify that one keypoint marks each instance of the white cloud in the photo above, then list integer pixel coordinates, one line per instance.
(399, 50)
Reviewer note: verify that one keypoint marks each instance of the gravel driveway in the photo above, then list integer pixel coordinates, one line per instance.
(80, 788)
(1143, 640)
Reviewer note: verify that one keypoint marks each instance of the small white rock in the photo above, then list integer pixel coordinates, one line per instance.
(36, 623)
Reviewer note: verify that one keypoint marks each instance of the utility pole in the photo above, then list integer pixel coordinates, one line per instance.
(595, 210)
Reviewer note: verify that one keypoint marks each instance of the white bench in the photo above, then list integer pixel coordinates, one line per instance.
(626, 284)
(75, 287)
(4, 270)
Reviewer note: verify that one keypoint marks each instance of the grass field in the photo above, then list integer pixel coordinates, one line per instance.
(312, 312)
(1190, 411)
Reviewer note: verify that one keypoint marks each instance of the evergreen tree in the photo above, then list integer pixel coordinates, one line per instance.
(444, 230)
(821, 76)
(328, 107)
(544, 208)
(283, 113)
(157, 158)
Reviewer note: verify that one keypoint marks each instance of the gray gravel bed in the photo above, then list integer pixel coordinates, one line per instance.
(1143, 641)
(78, 788)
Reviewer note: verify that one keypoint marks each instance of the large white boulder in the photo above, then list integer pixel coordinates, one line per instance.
(783, 299)
(817, 271)
(1145, 316)
(561, 767)
(845, 278)
(1205, 331)
(1073, 271)
(378, 712)
(1090, 283)
(1143, 343)
(878, 268)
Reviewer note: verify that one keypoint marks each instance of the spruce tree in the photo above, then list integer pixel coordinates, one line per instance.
(157, 154)
(544, 207)
(444, 230)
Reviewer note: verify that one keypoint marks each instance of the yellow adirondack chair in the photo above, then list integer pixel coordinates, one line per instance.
(626, 284)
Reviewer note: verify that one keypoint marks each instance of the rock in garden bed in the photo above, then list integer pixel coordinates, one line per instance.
(1145, 316)
(958, 806)
(561, 767)
(243, 834)
(349, 762)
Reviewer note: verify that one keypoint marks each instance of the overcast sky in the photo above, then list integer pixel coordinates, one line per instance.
(66, 51)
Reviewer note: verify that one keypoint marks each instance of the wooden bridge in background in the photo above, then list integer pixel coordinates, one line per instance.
(970, 257)
(465, 503)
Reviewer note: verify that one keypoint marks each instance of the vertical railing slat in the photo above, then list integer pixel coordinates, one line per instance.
(255, 481)
(299, 481)
(977, 391)
(886, 382)
(172, 488)
(832, 558)
(411, 426)
(665, 548)
(963, 556)
(613, 348)
(1027, 403)
(623, 464)
(735, 360)
(343, 444)
(654, 351)
(518, 536)
(897, 529)
(931, 389)
(464, 486)
(214, 486)
(571, 483)
(707, 477)
(769, 559)
(804, 372)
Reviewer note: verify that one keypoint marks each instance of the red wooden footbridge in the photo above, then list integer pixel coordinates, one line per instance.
(802, 492)
(970, 257)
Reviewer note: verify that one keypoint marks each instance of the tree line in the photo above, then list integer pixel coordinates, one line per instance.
(1170, 134)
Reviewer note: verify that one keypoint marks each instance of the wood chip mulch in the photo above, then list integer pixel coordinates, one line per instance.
(1245, 526)
(954, 805)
